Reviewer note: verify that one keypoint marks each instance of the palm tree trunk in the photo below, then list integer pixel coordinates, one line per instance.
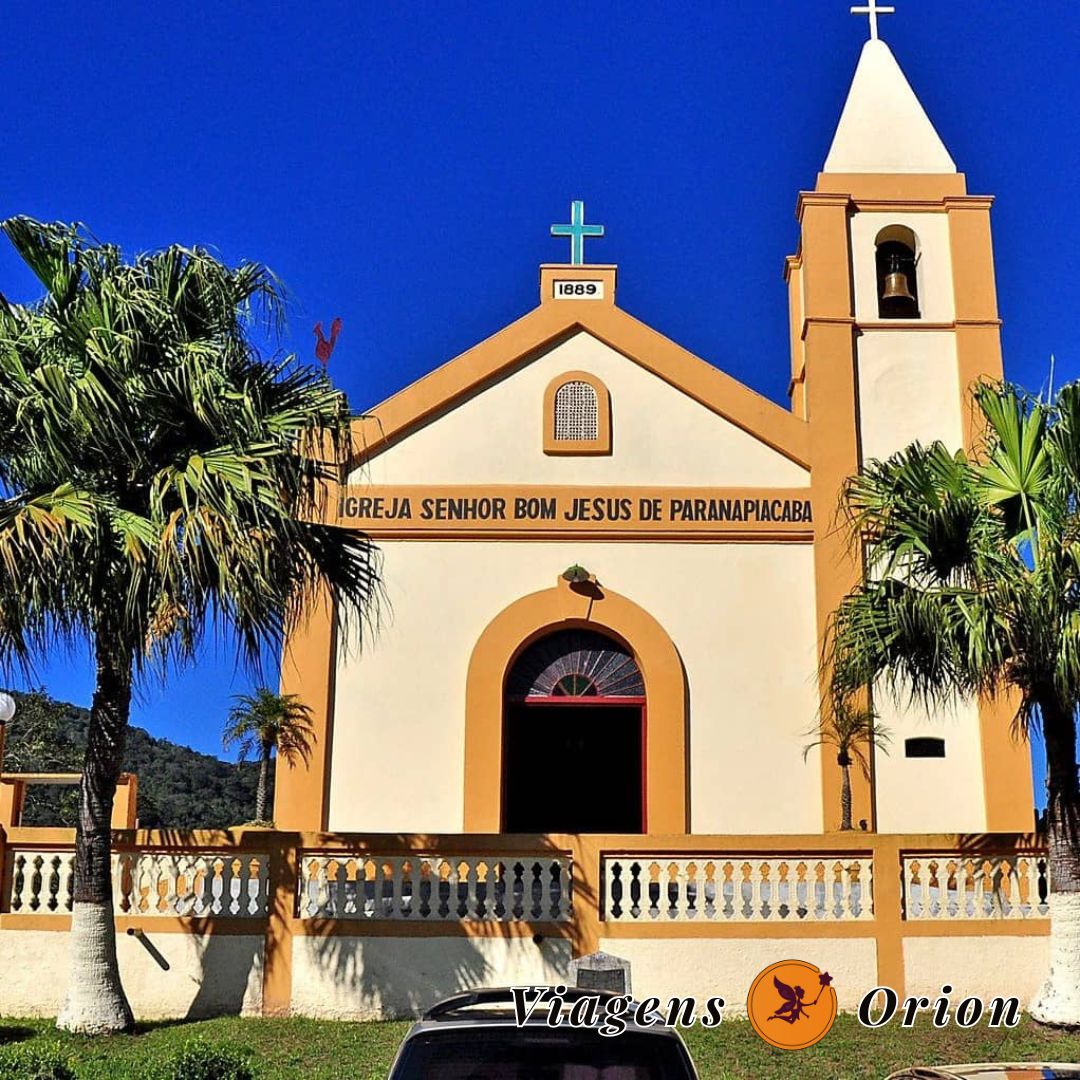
(96, 1003)
(845, 799)
(1058, 1002)
(260, 791)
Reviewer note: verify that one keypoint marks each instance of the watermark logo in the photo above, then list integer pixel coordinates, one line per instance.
(792, 1004)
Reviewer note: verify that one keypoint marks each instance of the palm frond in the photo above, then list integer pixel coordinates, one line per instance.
(268, 721)
(973, 582)
(146, 444)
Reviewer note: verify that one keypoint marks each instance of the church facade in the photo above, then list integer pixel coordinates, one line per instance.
(609, 567)
(579, 724)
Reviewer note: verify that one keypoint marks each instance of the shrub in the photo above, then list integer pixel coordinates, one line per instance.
(199, 1060)
(35, 1061)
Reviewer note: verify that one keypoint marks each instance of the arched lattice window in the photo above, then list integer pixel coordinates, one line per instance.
(576, 411)
(575, 664)
(577, 415)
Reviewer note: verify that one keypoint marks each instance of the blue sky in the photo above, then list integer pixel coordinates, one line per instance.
(398, 165)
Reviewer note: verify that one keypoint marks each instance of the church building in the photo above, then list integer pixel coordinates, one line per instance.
(608, 567)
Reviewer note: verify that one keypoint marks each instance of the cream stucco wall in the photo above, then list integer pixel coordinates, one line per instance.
(909, 390)
(659, 435)
(382, 978)
(978, 966)
(934, 271)
(213, 975)
(741, 616)
(726, 967)
(930, 794)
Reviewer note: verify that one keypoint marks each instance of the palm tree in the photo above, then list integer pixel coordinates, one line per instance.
(265, 721)
(851, 730)
(158, 477)
(973, 588)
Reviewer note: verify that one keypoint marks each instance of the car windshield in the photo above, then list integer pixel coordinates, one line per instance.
(507, 1053)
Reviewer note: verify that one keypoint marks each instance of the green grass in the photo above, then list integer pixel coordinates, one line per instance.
(318, 1050)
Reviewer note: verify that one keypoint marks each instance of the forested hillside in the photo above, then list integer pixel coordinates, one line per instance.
(178, 787)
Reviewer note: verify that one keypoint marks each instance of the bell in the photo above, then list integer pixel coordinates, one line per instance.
(896, 287)
(896, 282)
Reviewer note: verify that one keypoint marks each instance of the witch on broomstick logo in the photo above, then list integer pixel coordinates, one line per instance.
(778, 1008)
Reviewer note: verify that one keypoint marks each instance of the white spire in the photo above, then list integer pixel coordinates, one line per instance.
(884, 128)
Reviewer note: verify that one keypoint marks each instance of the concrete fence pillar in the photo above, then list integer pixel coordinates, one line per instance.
(284, 855)
(12, 797)
(126, 802)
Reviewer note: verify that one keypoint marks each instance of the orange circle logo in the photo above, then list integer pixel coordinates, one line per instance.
(792, 1005)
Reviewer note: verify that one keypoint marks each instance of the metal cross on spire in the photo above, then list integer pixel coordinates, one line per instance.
(577, 230)
(873, 11)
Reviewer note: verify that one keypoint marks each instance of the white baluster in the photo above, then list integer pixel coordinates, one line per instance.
(766, 905)
(396, 887)
(173, 877)
(613, 873)
(323, 907)
(669, 885)
(691, 886)
(452, 886)
(60, 900)
(218, 899)
(782, 891)
(379, 904)
(254, 878)
(308, 869)
(472, 872)
(907, 888)
(185, 884)
(566, 895)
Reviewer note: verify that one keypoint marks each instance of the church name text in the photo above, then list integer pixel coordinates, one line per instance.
(560, 509)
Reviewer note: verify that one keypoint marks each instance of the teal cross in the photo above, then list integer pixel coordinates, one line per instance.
(577, 230)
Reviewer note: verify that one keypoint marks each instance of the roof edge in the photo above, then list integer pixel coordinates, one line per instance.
(421, 401)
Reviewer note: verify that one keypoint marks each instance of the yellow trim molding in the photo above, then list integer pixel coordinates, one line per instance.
(909, 187)
(588, 605)
(308, 665)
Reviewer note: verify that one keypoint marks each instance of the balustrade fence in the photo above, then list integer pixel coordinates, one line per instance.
(508, 884)
(434, 888)
(147, 883)
(950, 886)
(738, 888)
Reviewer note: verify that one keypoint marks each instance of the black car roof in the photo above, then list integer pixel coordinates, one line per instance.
(450, 1007)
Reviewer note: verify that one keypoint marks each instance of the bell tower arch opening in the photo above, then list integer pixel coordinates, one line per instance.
(896, 253)
(574, 737)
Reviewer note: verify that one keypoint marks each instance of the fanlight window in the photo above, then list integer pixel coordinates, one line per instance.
(577, 412)
(575, 686)
(575, 664)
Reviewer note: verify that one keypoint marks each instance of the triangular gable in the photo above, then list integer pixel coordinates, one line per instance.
(545, 326)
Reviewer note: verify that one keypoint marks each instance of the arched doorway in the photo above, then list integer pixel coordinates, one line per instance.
(577, 606)
(574, 737)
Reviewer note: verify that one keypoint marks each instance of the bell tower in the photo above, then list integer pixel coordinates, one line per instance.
(893, 312)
